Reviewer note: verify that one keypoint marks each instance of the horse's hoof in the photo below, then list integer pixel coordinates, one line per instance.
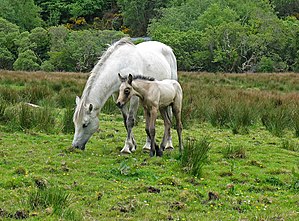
(169, 148)
(159, 153)
(125, 151)
(146, 148)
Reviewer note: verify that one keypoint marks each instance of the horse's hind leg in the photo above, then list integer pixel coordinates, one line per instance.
(177, 113)
(129, 121)
(166, 142)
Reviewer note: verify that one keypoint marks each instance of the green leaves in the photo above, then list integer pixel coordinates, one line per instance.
(234, 36)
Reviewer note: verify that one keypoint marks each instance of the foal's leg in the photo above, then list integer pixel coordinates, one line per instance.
(152, 132)
(166, 142)
(129, 121)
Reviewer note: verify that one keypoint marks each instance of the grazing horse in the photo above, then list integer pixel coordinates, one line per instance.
(154, 95)
(151, 58)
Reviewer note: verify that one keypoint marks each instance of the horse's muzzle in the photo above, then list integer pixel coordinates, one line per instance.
(81, 147)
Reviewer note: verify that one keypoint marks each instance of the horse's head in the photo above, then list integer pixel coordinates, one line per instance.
(86, 123)
(126, 90)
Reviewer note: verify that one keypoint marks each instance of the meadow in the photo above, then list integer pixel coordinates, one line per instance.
(241, 159)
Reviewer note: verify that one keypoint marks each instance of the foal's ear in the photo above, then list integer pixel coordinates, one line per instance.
(121, 78)
(130, 79)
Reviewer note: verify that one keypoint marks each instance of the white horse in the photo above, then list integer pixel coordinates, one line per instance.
(154, 95)
(150, 58)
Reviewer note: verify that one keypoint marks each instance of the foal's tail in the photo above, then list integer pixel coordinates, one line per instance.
(170, 57)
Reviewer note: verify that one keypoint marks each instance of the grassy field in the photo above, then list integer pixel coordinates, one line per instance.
(250, 123)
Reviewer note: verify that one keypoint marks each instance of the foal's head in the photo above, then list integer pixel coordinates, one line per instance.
(126, 90)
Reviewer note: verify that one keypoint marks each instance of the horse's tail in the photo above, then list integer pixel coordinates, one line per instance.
(171, 59)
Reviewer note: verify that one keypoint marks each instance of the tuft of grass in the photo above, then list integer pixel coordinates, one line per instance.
(295, 180)
(3, 106)
(289, 145)
(233, 152)
(276, 120)
(54, 197)
(53, 200)
(195, 155)
(67, 121)
(295, 122)
(25, 117)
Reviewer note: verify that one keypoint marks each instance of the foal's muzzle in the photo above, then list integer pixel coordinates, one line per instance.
(119, 104)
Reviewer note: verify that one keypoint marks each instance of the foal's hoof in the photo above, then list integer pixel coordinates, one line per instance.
(159, 153)
(152, 153)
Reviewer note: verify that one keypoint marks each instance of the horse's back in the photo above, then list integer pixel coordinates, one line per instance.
(162, 56)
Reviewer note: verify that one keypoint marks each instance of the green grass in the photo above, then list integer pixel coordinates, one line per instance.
(105, 185)
(250, 171)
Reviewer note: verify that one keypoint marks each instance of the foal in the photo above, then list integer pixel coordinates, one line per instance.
(154, 95)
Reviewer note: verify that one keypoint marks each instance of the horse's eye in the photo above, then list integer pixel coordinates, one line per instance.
(127, 91)
(85, 125)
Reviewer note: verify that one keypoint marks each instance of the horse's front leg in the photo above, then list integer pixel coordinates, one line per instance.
(129, 122)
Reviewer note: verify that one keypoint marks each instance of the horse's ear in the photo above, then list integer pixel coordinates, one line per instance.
(78, 100)
(130, 79)
(121, 78)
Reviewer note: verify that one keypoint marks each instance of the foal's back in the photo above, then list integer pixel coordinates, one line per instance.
(170, 90)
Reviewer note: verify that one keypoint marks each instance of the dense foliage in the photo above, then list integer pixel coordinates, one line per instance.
(231, 36)
(210, 35)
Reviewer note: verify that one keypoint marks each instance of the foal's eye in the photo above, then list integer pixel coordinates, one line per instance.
(127, 91)
(85, 125)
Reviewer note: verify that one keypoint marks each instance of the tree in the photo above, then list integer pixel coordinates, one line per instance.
(41, 39)
(27, 61)
(6, 58)
(286, 7)
(24, 13)
(231, 36)
(137, 13)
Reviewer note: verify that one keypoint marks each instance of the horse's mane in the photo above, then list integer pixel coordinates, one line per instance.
(95, 71)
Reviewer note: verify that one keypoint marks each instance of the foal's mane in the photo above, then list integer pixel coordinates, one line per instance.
(142, 77)
(95, 71)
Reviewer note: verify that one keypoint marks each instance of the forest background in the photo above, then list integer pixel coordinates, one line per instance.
(206, 35)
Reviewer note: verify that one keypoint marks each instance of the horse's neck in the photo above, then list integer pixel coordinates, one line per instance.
(105, 85)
